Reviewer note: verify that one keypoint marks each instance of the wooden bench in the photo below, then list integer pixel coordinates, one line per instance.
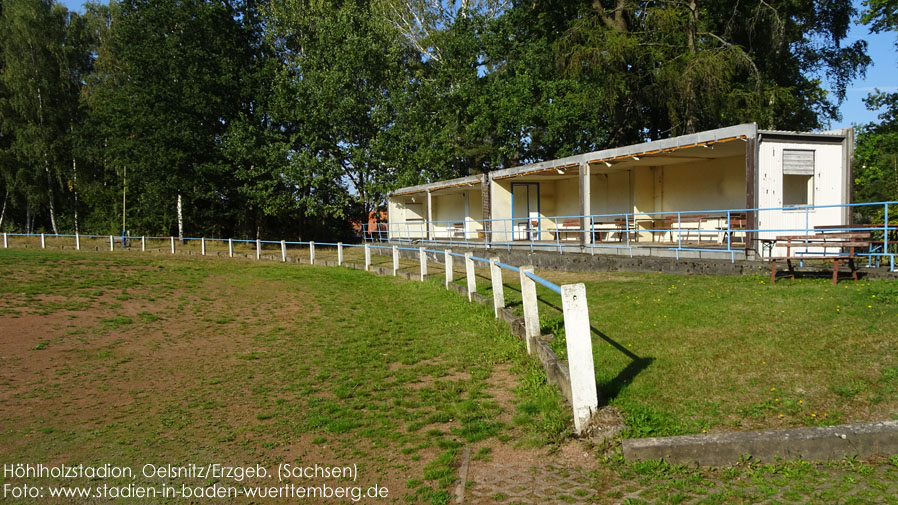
(570, 226)
(831, 239)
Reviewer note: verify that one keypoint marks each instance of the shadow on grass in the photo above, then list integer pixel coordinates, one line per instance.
(611, 389)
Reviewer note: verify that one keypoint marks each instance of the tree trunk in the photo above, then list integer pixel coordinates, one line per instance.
(40, 110)
(3, 211)
(180, 222)
(75, 190)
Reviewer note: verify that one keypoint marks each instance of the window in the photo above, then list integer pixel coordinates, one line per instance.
(798, 177)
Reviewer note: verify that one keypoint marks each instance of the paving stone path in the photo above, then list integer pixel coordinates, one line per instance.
(552, 482)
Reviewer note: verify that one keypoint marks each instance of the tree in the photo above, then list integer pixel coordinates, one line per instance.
(876, 157)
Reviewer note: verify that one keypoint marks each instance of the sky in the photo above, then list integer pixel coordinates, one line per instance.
(882, 74)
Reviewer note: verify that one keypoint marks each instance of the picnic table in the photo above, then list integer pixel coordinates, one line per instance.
(829, 245)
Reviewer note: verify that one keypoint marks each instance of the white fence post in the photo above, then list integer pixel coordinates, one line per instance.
(472, 278)
(283, 250)
(531, 309)
(448, 263)
(258, 249)
(143, 243)
(172, 244)
(423, 258)
(367, 258)
(43, 242)
(5, 241)
(395, 261)
(579, 352)
(311, 252)
(77, 241)
(203, 246)
(498, 289)
(230, 248)
(111, 243)
(340, 254)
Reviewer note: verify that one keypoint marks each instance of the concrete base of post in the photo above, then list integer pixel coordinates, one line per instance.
(340, 254)
(584, 396)
(367, 258)
(531, 308)
(395, 261)
(311, 253)
(423, 259)
(498, 288)
(471, 275)
(283, 251)
(448, 263)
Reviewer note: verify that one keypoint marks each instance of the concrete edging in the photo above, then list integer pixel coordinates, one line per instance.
(865, 440)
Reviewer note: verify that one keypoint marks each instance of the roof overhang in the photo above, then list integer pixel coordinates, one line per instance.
(649, 153)
(461, 182)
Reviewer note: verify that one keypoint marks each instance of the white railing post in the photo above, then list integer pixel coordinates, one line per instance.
(395, 261)
(498, 289)
(367, 257)
(283, 251)
(531, 309)
(472, 278)
(203, 246)
(579, 352)
(172, 244)
(77, 241)
(230, 248)
(422, 256)
(340, 254)
(311, 252)
(258, 249)
(111, 243)
(143, 243)
(448, 263)
(43, 242)
(5, 241)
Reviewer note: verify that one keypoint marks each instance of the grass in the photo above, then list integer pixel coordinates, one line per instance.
(177, 360)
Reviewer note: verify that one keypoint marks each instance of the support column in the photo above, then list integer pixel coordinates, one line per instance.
(230, 248)
(448, 263)
(258, 249)
(283, 251)
(422, 257)
(472, 277)
(339, 253)
(498, 288)
(429, 216)
(311, 252)
(579, 351)
(585, 207)
(367, 258)
(395, 261)
(531, 309)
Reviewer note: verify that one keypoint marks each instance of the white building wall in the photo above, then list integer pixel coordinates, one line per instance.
(827, 186)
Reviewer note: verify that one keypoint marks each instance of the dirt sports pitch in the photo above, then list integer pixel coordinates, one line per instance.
(197, 380)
